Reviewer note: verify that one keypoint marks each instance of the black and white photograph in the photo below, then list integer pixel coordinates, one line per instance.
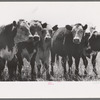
(49, 41)
(49, 45)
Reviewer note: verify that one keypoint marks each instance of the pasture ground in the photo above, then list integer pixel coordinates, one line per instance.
(58, 71)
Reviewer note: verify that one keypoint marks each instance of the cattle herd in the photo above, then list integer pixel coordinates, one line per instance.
(40, 44)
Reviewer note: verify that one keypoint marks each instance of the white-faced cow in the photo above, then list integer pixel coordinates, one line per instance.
(69, 41)
(10, 35)
(55, 28)
(28, 49)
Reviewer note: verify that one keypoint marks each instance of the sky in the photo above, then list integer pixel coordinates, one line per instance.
(61, 13)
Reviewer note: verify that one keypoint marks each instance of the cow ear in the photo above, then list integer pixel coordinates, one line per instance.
(85, 27)
(44, 25)
(55, 27)
(68, 27)
(14, 23)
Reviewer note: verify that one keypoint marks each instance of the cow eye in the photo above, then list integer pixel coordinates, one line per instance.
(50, 31)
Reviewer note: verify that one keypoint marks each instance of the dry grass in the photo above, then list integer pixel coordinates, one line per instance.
(58, 71)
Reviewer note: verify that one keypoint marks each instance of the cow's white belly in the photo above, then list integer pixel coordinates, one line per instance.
(8, 55)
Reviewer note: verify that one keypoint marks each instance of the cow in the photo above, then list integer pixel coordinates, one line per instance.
(69, 42)
(44, 49)
(55, 28)
(93, 46)
(28, 49)
(10, 35)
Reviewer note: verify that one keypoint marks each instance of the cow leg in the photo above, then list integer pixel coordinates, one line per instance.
(20, 64)
(33, 72)
(47, 71)
(70, 62)
(64, 65)
(85, 61)
(94, 63)
(39, 70)
(12, 66)
(57, 58)
(77, 60)
(52, 63)
(2, 66)
(19, 71)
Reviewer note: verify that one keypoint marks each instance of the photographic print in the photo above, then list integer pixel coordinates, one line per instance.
(49, 41)
(49, 49)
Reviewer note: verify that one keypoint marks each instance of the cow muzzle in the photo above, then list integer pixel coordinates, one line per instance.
(76, 40)
(30, 37)
(36, 37)
(47, 38)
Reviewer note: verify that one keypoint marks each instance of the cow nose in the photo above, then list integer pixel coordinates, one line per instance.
(36, 38)
(76, 41)
(47, 38)
(30, 36)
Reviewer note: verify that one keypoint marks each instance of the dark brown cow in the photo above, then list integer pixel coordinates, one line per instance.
(69, 41)
(55, 28)
(93, 46)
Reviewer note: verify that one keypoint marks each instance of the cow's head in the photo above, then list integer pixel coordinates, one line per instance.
(77, 32)
(46, 32)
(36, 30)
(23, 31)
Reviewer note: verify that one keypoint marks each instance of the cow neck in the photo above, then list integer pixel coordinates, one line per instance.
(29, 45)
(44, 46)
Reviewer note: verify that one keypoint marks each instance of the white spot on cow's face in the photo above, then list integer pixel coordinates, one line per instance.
(8, 55)
(23, 32)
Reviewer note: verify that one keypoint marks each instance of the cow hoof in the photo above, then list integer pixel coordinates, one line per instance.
(96, 76)
(48, 77)
(33, 79)
(39, 75)
(52, 73)
(84, 76)
(19, 78)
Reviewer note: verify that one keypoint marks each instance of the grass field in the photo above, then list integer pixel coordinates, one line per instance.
(58, 71)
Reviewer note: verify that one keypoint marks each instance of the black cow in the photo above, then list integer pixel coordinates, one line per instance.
(93, 46)
(10, 35)
(69, 41)
(43, 53)
(55, 28)
(28, 49)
